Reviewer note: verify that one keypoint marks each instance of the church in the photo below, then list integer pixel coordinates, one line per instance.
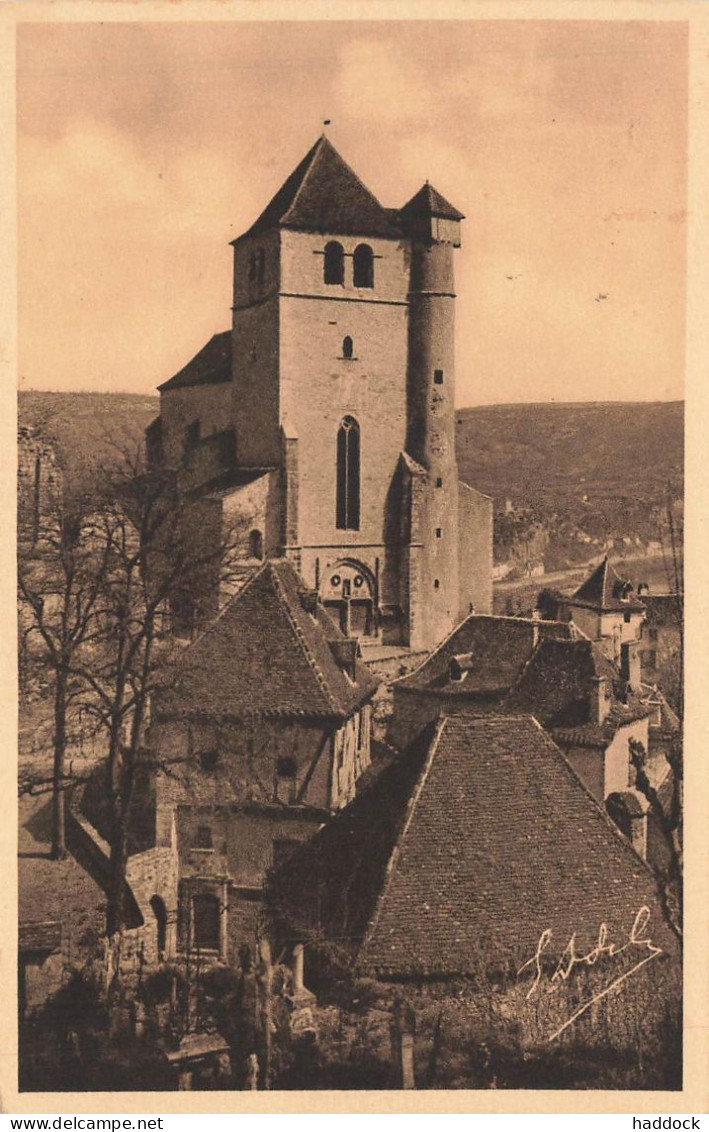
(324, 420)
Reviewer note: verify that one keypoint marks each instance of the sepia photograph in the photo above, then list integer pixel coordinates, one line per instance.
(350, 554)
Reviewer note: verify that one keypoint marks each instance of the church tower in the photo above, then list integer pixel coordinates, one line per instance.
(325, 418)
(433, 226)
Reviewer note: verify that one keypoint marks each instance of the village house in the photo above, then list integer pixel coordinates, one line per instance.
(262, 730)
(661, 640)
(472, 669)
(323, 422)
(606, 609)
(460, 855)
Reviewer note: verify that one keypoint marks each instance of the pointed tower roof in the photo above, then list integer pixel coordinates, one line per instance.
(605, 589)
(429, 202)
(323, 194)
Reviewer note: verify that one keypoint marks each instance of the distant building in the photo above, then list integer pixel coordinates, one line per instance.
(324, 420)
(458, 858)
(606, 608)
(262, 730)
(472, 669)
(661, 639)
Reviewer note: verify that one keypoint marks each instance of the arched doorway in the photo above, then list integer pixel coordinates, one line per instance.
(347, 592)
(160, 912)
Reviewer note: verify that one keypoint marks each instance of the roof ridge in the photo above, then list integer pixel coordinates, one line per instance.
(395, 853)
(312, 662)
(598, 808)
(315, 152)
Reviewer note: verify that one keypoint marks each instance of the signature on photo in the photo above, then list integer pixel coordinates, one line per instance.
(637, 943)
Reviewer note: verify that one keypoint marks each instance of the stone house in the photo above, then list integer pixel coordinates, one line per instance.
(606, 609)
(261, 731)
(324, 420)
(661, 641)
(460, 855)
(473, 669)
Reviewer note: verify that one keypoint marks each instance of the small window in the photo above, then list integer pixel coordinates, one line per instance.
(334, 265)
(439, 532)
(256, 545)
(363, 266)
(626, 617)
(209, 759)
(283, 848)
(286, 783)
(203, 839)
(347, 347)
(439, 482)
(205, 920)
(192, 435)
(438, 376)
(436, 584)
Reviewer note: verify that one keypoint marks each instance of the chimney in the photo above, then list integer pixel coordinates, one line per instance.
(309, 601)
(460, 665)
(599, 699)
(630, 664)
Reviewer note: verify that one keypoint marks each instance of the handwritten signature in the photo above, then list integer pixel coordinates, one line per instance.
(570, 959)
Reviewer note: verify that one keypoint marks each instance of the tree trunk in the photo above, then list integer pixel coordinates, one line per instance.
(58, 784)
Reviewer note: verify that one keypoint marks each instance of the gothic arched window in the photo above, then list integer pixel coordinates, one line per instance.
(363, 261)
(347, 511)
(334, 266)
(347, 347)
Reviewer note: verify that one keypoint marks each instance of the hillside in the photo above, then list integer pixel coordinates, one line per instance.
(577, 476)
(588, 475)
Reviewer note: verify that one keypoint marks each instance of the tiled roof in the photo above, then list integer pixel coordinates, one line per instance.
(555, 688)
(499, 648)
(603, 590)
(323, 194)
(211, 366)
(662, 611)
(428, 202)
(265, 655)
(494, 841)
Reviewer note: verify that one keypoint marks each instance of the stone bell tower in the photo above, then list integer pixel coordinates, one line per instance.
(433, 226)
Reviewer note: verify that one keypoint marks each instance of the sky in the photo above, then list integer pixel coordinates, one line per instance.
(144, 148)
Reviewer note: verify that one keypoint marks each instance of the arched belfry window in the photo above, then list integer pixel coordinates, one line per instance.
(363, 266)
(334, 262)
(348, 475)
(347, 347)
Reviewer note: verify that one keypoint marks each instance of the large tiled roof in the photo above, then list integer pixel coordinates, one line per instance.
(494, 841)
(603, 590)
(266, 655)
(662, 611)
(210, 366)
(555, 687)
(323, 194)
(499, 647)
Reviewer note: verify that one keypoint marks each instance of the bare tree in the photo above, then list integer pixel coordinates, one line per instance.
(160, 548)
(60, 579)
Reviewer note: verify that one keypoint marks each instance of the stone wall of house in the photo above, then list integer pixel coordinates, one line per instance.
(474, 551)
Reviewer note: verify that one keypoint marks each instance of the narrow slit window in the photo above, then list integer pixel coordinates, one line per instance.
(348, 475)
(438, 376)
(439, 532)
(347, 347)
